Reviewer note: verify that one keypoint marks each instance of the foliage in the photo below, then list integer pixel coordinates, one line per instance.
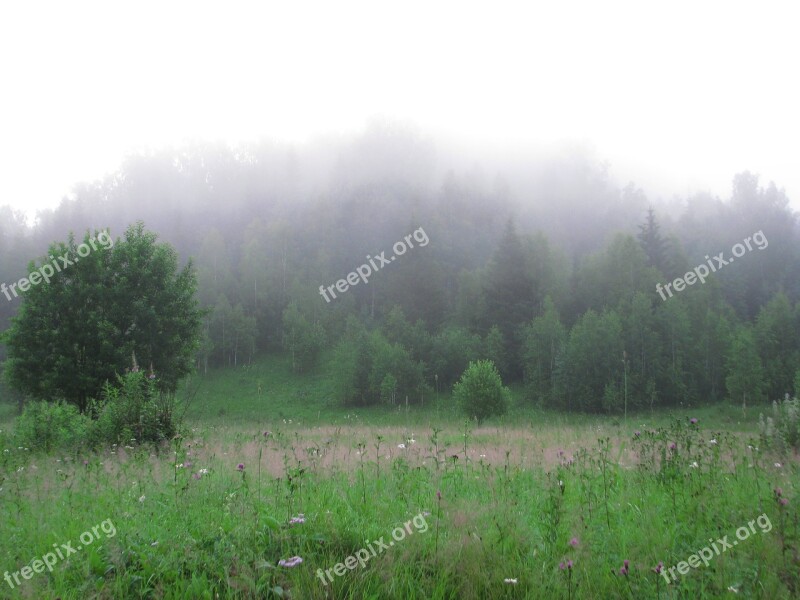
(133, 410)
(781, 430)
(301, 338)
(76, 332)
(480, 391)
(48, 426)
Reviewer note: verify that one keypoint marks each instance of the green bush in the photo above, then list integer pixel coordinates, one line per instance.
(781, 431)
(133, 409)
(480, 391)
(48, 426)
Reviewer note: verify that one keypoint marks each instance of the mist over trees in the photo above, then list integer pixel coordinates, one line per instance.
(547, 267)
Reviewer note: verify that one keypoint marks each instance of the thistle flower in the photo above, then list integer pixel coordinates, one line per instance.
(658, 568)
(300, 518)
(240, 467)
(574, 542)
(693, 421)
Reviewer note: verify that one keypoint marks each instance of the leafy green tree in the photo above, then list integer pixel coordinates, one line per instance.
(496, 350)
(778, 343)
(593, 359)
(480, 391)
(302, 339)
(745, 379)
(80, 329)
(395, 360)
(352, 362)
(544, 343)
(452, 350)
(510, 293)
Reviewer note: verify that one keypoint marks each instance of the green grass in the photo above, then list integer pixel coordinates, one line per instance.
(510, 503)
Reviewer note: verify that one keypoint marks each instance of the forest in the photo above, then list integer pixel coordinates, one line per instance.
(547, 267)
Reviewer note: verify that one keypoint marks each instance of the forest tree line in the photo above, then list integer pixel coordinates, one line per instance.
(548, 269)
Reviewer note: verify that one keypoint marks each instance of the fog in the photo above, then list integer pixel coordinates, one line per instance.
(676, 99)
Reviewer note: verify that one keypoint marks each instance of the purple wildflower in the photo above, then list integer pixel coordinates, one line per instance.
(290, 562)
(574, 542)
(240, 467)
(658, 568)
(693, 421)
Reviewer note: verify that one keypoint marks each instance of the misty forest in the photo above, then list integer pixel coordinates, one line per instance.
(547, 386)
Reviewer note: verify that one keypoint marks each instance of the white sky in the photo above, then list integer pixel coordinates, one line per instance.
(678, 96)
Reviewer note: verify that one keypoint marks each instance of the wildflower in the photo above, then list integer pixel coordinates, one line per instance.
(240, 467)
(693, 421)
(401, 446)
(694, 465)
(637, 433)
(778, 465)
(267, 434)
(511, 581)
(203, 471)
(187, 464)
(300, 518)
(574, 542)
(142, 498)
(658, 568)
(783, 501)
(412, 441)
(778, 492)
(179, 466)
(672, 446)
(196, 476)
(567, 565)
(483, 456)
(623, 570)
(290, 562)
(713, 442)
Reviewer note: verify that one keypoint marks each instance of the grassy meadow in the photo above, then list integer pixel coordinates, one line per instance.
(531, 505)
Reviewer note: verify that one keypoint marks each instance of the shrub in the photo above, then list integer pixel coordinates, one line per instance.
(781, 431)
(480, 391)
(133, 409)
(48, 426)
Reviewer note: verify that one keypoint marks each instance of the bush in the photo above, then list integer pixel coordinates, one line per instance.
(48, 426)
(781, 431)
(480, 391)
(133, 410)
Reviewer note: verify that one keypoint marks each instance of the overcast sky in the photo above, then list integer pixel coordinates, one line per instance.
(678, 96)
